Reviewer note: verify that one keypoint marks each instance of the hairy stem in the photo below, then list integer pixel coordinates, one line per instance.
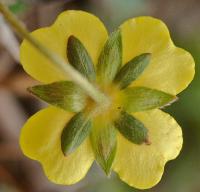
(75, 76)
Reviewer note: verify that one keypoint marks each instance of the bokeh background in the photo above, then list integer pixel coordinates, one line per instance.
(18, 173)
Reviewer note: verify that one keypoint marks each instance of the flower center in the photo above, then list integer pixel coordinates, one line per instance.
(110, 109)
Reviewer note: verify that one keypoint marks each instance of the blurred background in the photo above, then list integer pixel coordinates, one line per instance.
(18, 173)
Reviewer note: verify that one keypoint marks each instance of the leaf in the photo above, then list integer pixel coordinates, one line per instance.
(142, 98)
(110, 59)
(103, 138)
(63, 94)
(79, 58)
(131, 128)
(18, 7)
(132, 70)
(75, 132)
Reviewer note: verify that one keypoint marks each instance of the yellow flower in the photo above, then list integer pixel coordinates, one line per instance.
(170, 71)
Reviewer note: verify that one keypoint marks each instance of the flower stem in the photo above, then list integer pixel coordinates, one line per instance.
(75, 76)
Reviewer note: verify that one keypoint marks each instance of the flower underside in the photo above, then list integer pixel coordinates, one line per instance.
(115, 81)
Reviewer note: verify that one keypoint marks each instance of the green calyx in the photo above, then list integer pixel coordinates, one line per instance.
(131, 128)
(63, 94)
(137, 99)
(104, 143)
(110, 59)
(79, 58)
(132, 70)
(91, 120)
(75, 132)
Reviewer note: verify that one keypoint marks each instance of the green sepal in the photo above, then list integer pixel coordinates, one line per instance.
(103, 139)
(75, 132)
(132, 70)
(131, 128)
(79, 58)
(63, 94)
(110, 59)
(137, 99)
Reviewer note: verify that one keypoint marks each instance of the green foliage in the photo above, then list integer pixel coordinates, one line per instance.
(17, 7)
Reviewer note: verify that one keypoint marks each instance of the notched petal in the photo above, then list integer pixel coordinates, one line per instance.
(142, 166)
(55, 37)
(40, 140)
(171, 68)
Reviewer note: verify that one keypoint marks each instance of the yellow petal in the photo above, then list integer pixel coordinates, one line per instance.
(40, 140)
(142, 166)
(171, 68)
(86, 27)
